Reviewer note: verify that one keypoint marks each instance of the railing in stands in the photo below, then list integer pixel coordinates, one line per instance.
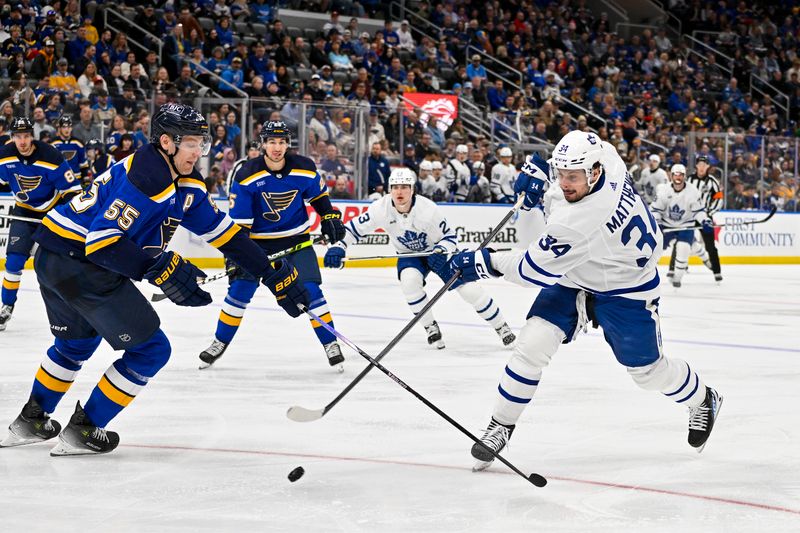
(765, 88)
(719, 56)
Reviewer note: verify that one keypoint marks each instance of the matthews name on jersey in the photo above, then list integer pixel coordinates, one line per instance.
(607, 243)
(419, 230)
(675, 209)
(37, 181)
(129, 214)
(278, 196)
(73, 151)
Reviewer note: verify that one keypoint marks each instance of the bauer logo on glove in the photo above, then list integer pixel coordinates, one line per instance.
(286, 281)
(167, 272)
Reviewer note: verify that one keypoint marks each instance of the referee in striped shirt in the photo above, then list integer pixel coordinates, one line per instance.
(711, 196)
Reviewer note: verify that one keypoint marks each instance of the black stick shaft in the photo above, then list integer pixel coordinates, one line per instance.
(397, 338)
(535, 479)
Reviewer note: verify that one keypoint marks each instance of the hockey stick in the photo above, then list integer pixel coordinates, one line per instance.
(410, 254)
(21, 219)
(534, 478)
(684, 228)
(301, 414)
(277, 255)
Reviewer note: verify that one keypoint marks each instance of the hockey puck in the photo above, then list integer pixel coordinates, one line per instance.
(296, 474)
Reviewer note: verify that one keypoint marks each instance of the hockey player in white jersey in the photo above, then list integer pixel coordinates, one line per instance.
(678, 205)
(503, 176)
(440, 190)
(426, 185)
(458, 174)
(415, 224)
(596, 261)
(650, 178)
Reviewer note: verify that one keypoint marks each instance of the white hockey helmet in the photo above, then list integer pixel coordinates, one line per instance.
(478, 167)
(577, 150)
(505, 151)
(425, 165)
(462, 149)
(678, 169)
(402, 176)
(437, 165)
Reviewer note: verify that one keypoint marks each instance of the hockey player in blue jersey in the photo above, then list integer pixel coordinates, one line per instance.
(71, 148)
(39, 178)
(91, 249)
(595, 262)
(268, 196)
(97, 161)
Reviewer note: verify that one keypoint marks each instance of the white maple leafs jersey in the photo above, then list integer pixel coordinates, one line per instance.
(503, 178)
(607, 243)
(674, 209)
(648, 183)
(419, 230)
(433, 189)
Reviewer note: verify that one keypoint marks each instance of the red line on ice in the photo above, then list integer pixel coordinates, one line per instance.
(449, 467)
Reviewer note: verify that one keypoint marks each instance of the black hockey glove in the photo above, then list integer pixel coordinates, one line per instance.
(332, 226)
(287, 288)
(177, 277)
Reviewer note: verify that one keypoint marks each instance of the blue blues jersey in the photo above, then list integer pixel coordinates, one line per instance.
(272, 203)
(101, 163)
(129, 214)
(38, 181)
(73, 152)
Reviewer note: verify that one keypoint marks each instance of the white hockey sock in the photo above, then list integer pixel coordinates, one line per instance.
(483, 304)
(681, 259)
(411, 282)
(517, 386)
(674, 378)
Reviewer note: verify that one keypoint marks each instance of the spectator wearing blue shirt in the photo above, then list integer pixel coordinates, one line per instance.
(77, 47)
(496, 95)
(259, 61)
(377, 170)
(396, 70)
(475, 68)
(232, 128)
(262, 11)
(225, 32)
(390, 36)
(232, 77)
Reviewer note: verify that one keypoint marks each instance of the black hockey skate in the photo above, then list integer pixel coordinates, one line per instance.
(210, 355)
(505, 334)
(335, 357)
(81, 437)
(702, 418)
(434, 335)
(494, 438)
(718, 277)
(5, 315)
(31, 426)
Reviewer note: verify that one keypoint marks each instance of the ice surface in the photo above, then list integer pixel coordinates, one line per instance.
(210, 450)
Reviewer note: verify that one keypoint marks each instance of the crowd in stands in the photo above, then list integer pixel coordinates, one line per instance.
(645, 92)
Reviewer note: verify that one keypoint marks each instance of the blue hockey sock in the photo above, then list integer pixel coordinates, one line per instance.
(319, 306)
(59, 369)
(239, 295)
(125, 378)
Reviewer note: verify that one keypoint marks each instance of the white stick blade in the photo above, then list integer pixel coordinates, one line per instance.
(301, 414)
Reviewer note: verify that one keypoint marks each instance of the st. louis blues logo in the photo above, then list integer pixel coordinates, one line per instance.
(676, 213)
(168, 228)
(414, 241)
(68, 154)
(26, 184)
(277, 202)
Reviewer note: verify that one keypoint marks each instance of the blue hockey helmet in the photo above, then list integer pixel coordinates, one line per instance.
(178, 121)
(275, 128)
(65, 121)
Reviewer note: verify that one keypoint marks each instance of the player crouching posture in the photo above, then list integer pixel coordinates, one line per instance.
(677, 204)
(91, 249)
(596, 261)
(267, 197)
(415, 224)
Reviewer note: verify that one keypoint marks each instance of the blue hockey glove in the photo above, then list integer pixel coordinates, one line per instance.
(534, 174)
(177, 277)
(708, 226)
(438, 259)
(332, 226)
(473, 180)
(285, 284)
(333, 257)
(474, 265)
